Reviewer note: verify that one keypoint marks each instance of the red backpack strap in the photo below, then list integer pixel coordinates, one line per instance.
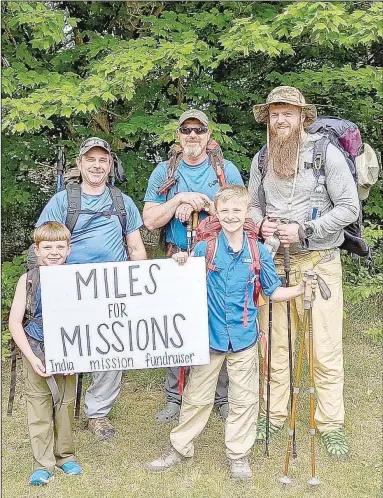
(255, 268)
(211, 251)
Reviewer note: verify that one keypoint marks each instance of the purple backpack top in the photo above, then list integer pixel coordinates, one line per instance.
(344, 134)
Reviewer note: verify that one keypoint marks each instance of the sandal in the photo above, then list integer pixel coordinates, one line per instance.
(261, 429)
(169, 413)
(335, 443)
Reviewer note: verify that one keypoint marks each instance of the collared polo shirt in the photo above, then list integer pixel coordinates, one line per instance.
(226, 291)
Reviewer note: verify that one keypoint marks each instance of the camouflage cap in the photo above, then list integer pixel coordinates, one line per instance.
(285, 95)
(194, 114)
(91, 142)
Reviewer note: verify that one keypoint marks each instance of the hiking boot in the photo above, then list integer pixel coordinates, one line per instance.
(261, 429)
(169, 459)
(240, 469)
(223, 411)
(101, 428)
(335, 443)
(40, 477)
(169, 413)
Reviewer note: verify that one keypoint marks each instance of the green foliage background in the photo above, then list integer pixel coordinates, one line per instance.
(126, 70)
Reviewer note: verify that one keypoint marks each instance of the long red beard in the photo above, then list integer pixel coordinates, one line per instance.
(283, 151)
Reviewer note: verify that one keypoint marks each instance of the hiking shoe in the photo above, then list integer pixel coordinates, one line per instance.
(169, 413)
(335, 443)
(223, 411)
(102, 428)
(240, 469)
(261, 429)
(169, 459)
(40, 477)
(71, 468)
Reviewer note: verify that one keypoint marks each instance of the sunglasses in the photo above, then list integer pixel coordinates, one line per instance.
(186, 130)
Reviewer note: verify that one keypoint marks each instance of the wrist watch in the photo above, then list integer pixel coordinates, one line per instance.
(308, 230)
(305, 232)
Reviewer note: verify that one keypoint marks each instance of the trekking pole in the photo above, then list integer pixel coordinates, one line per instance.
(272, 244)
(78, 395)
(307, 320)
(195, 219)
(189, 226)
(60, 166)
(287, 268)
(267, 440)
(314, 481)
(12, 388)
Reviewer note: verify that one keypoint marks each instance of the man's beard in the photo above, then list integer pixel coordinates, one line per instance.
(283, 152)
(193, 149)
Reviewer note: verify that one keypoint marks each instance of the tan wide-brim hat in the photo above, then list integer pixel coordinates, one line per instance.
(285, 95)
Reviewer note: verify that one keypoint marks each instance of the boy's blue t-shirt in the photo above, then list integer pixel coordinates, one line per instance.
(200, 178)
(94, 239)
(34, 329)
(226, 290)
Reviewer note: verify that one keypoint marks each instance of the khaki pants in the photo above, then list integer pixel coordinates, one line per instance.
(50, 431)
(198, 399)
(327, 333)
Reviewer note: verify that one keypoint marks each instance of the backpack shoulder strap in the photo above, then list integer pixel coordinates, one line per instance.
(211, 250)
(175, 157)
(74, 205)
(118, 203)
(32, 283)
(215, 154)
(255, 255)
(319, 156)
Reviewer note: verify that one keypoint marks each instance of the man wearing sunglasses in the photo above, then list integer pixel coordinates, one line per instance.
(191, 182)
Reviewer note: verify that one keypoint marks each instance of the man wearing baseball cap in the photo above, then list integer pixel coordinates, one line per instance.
(185, 184)
(290, 201)
(97, 237)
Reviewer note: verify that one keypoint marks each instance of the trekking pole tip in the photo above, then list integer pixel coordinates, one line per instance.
(285, 480)
(314, 481)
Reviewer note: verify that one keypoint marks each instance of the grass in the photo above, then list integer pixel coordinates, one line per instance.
(116, 470)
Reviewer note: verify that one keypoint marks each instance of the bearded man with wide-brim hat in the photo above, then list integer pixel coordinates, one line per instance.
(308, 216)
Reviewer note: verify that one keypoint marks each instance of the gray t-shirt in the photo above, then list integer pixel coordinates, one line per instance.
(340, 202)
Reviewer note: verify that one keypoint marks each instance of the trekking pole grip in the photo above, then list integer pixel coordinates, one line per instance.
(286, 256)
(308, 295)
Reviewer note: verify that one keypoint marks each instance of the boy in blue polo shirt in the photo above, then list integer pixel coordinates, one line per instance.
(230, 337)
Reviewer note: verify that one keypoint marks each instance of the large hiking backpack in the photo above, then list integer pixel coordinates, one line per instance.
(215, 155)
(209, 229)
(344, 135)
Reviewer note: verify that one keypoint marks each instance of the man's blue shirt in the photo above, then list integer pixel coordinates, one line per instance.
(226, 290)
(94, 239)
(199, 178)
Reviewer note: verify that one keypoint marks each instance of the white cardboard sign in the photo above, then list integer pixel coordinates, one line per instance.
(122, 316)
